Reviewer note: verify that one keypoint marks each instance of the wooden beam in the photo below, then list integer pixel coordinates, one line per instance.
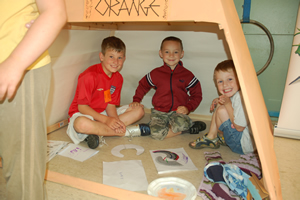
(57, 126)
(96, 188)
(153, 26)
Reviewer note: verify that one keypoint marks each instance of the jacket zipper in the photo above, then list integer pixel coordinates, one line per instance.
(171, 89)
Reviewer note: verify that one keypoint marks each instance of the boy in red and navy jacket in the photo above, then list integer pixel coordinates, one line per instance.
(178, 92)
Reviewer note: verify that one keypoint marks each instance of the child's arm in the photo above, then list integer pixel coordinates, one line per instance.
(214, 103)
(113, 120)
(141, 90)
(195, 98)
(224, 100)
(37, 39)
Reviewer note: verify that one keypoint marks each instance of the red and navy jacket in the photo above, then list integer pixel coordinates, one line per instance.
(178, 87)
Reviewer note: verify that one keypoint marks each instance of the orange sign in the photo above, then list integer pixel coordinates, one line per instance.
(125, 10)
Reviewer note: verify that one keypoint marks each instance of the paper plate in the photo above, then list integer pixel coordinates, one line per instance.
(172, 186)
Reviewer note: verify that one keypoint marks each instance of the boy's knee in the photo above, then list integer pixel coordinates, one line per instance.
(139, 111)
(222, 113)
(221, 110)
(81, 125)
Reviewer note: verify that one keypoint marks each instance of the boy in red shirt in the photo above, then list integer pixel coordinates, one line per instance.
(93, 111)
(178, 92)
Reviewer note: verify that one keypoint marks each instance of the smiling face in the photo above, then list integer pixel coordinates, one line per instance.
(112, 61)
(227, 82)
(171, 53)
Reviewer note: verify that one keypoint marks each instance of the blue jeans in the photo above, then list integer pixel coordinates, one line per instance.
(232, 137)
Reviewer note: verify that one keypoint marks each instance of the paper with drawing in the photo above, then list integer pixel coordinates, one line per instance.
(172, 160)
(78, 152)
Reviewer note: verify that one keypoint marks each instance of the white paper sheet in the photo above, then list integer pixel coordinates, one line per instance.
(78, 152)
(126, 174)
(54, 147)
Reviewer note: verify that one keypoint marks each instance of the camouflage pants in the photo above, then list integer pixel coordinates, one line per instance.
(160, 122)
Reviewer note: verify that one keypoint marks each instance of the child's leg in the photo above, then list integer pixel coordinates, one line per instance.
(167, 125)
(213, 129)
(212, 139)
(212, 133)
(80, 126)
(172, 134)
(218, 118)
(128, 115)
(232, 137)
(132, 114)
(222, 116)
(178, 123)
(181, 124)
(90, 127)
(159, 124)
(157, 127)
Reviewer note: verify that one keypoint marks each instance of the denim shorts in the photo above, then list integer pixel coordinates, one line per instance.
(232, 137)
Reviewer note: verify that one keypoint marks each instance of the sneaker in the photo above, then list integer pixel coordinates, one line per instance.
(92, 141)
(145, 129)
(204, 142)
(133, 130)
(138, 130)
(197, 127)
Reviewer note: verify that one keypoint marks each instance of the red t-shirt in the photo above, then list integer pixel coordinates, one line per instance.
(96, 89)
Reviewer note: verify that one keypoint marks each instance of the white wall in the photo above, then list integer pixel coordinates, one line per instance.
(75, 50)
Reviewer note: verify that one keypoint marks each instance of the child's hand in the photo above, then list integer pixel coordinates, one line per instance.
(10, 77)
(136, 104)
(214, 103)
(116, 124)
(182, 110)
(120, 130)
(223, 100)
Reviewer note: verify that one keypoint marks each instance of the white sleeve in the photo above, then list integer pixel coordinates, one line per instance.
(238, 110)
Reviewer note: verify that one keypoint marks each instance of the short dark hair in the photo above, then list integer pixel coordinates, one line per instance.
(171, 38)
(113, 43)
(224, 66)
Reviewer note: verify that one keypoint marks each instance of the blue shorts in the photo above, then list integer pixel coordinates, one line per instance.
(232, 137)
